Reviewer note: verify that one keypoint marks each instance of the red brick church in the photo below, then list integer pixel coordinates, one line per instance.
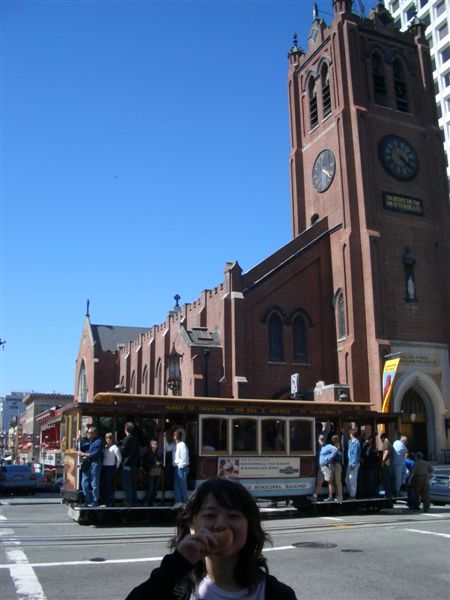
(367, 272)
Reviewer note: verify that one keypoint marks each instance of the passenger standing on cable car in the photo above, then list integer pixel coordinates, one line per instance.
(386, 473)
(337, 468)
(152, 462)
(409, 462)
(180, 461)
(92, 450)
(368, 470)
(399, 452)
(111, 463)
(130, 464)
(326, 458)
(354, 457)
(319, 475)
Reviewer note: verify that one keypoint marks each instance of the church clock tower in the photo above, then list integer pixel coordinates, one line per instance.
(366, 154)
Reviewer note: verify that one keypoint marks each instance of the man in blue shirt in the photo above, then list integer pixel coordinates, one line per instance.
(92, 449)
(319, 475)
(326, 459)
(354, 458)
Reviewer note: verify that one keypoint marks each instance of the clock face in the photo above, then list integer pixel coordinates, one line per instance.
(398, 157)
(323, 170)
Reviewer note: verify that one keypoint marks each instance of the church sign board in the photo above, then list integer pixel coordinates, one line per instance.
(403, 204)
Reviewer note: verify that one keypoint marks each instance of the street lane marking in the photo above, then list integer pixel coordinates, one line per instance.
(113, 561)
(75, 563)
(24, 578)
(332, 518)
(445, 535)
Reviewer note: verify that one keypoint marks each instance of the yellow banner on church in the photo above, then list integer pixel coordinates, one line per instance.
(389, 371)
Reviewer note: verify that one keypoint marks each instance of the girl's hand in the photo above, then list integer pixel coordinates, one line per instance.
(196, 546)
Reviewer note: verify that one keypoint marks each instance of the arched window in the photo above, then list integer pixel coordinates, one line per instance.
(340, 306)
(133, 383)
(400, 88)
(158, 377)
(326, 95)
(379, 81)
(145, 380)
(275, 326)
(313, 116)
(300, 339)
(82, 383)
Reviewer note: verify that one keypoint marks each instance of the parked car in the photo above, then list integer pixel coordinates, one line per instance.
(17, 478)
(440, 486)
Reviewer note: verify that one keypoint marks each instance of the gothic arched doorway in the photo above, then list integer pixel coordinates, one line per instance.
(414, 421)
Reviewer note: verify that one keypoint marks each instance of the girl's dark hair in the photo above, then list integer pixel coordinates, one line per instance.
(251, 563)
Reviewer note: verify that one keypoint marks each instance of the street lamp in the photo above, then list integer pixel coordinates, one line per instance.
(174, 380)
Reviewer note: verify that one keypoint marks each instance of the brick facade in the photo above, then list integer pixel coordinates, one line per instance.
(342, 280)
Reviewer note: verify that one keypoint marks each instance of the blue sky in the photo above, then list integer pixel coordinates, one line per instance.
(143, 145)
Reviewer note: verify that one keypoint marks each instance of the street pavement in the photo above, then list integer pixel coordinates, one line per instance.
(390, 555)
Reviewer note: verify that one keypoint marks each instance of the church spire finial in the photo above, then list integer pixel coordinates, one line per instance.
(295, 51)
(87, 307)
(177, 306)
(315, 11)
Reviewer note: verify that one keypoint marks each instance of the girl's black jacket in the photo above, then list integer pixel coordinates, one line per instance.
(170, 581)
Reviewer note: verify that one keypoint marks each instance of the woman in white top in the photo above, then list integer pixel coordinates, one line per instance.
(111, 462)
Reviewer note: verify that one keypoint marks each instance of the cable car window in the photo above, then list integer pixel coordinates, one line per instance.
(301, 435)
(244, 435)
(74, 432)
(214, 434)
(71, 435)
(273, 435)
